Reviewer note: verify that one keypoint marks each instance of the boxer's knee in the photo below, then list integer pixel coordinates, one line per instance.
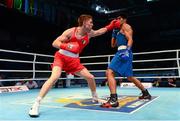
(130, 78)
(109, 73)
(90, 77)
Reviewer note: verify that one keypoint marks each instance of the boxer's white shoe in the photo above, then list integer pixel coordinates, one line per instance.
(34, 111)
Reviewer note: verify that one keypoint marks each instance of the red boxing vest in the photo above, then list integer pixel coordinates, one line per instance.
(82, 42)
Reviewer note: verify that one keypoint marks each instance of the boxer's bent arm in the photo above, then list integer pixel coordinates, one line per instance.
(62, 38)
(128, 33)
(98, 32)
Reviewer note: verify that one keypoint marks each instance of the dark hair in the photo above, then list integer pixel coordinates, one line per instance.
(83, 18)
(123, 15)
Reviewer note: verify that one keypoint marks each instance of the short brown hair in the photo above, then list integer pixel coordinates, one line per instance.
(83, 18)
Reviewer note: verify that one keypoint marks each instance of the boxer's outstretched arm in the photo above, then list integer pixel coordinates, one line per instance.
(98, 32)
(113, 24)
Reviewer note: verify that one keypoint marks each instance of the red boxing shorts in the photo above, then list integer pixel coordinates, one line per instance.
(68, 64)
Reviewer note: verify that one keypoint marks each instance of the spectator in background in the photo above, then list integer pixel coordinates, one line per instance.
(31, 84)
(156, 82)
(171, 82)
(6, 83)
(40, 83)
(20, 83)
(1, 77)
(68, 80)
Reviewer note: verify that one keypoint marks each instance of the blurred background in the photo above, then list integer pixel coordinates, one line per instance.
(32, 25)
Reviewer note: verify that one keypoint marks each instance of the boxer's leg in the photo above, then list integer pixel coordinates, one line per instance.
(145, 93)
(113, 100)
(91, 82)
(56, 72)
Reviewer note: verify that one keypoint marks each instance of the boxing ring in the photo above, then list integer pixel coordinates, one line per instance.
(57, 105)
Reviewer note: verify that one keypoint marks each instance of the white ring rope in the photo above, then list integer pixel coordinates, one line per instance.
(45, 71)
(35, 62)
(155, 60)
(25, 53)
(153, 52)
(79, 78)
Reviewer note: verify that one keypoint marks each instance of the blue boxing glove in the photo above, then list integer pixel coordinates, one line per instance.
(125, 54)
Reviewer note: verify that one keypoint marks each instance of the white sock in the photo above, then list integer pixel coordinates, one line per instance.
(38, 99)
(94, 94)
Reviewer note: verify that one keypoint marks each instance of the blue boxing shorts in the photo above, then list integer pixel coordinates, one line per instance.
(122, 68)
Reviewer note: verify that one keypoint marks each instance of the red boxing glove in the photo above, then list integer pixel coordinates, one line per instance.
(117, 24)
(113, 24)
(71, 46)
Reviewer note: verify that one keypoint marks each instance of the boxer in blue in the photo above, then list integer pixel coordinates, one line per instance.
(121, 63)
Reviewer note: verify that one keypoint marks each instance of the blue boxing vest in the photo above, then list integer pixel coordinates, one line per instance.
(120, 38)
(120, 67)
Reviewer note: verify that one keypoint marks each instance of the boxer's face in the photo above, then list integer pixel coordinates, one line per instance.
(88, 24)
(121, 19)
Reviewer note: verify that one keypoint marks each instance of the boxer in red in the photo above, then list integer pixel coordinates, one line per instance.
(70, 45)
